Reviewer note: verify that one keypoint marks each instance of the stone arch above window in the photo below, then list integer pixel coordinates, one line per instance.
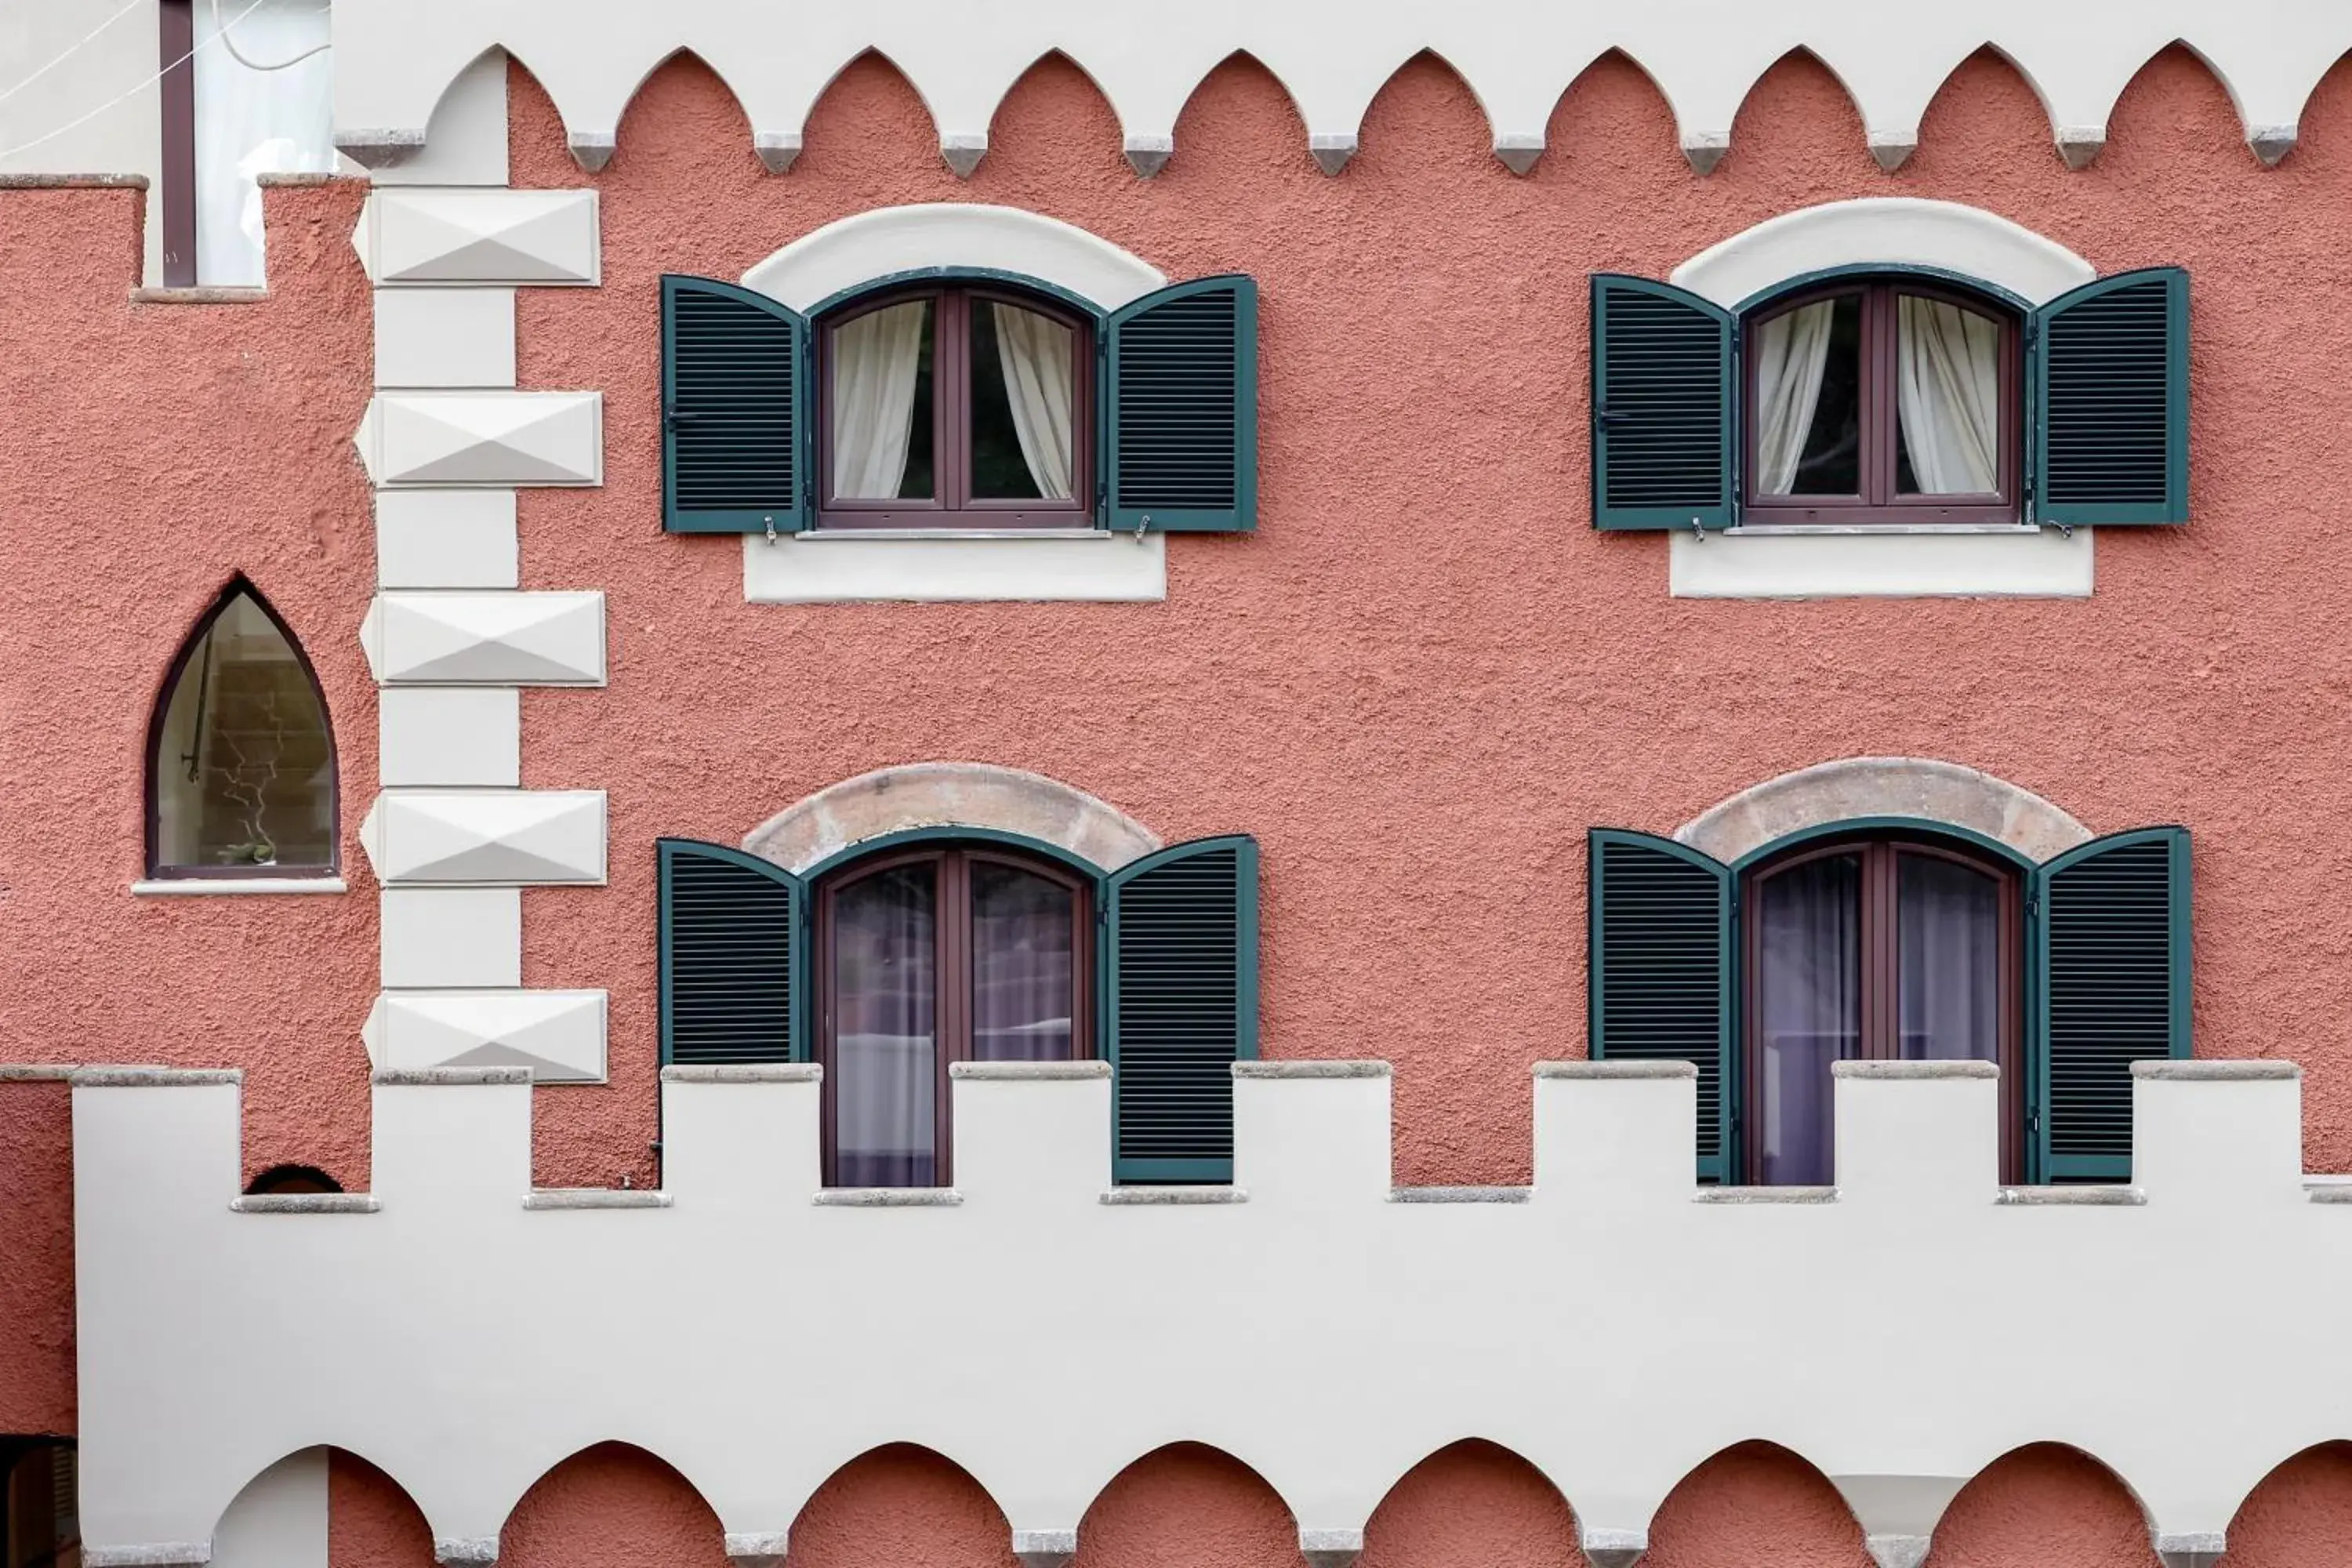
(1917, 788)
(241, 757)
(949, 794)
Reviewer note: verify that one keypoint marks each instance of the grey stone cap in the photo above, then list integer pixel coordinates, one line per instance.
(2339, 1192)
(1587, 1070)
(155, 1077)
(431, 1078)
(1914, 1069)
(596, 1198)
(77, 183)
(1765, 1195)
(38, 1072)
(1065, 1542)
(207, 294)
(759, 1543)
(286, 178)
(2194, 1071)
(465, 1549)
(2211, 1542)
(1131, 1197)
(306, 1202)
(1310, 1069)
(1460, 1195)
(745, 1072)
(1017, 1072)
(163, 1554)
(887, 1198)
(1330, 1539)
(1594, 1539)
(380, 147)
(2077, 1195)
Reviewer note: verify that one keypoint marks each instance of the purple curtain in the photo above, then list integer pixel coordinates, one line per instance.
(886, 1039)
(1021, 990)
(1947, 937)
(1809, 1009)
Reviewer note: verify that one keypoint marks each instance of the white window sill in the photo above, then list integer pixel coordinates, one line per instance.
(1862, 561)
(943, 567)
(235, 887)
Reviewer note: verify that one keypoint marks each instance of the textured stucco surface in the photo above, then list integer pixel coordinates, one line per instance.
(1417, 685)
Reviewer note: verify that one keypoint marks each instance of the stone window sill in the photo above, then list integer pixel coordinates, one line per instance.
(1867, 560)
(842, 565)
(235, 887)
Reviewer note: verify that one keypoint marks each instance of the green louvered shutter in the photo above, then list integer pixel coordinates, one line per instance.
(1180, 407)
(2110, 384)
(733, 957)
(1662, 971)
(736, 441)
(2110, 943)
(1664, 425)
(1180, 1005)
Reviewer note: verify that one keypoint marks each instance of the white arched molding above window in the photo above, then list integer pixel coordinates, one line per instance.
(1853, 789)
(949, 794)
(1871, 560)
(830, 565)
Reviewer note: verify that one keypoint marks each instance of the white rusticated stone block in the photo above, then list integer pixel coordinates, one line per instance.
(449, 735)
(1619, 1129)
(742, 1139)
(2218, 1133)
(1031, 1131)
(541, 638)
(446, 539)
(444, 337)
(468, 937)
(1917, 1132)
(484, 438)
(494, 837)
(558, 1035)
(1309, 1132)
(481, 235)
(454, 1136)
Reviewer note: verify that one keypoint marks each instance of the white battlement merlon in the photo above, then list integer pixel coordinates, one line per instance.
(1917, 1132)
(740, 1140)
(1620, 1128)
(2217, 1133)
(1037, 1133)
(1311, 1132)
(452, 1137)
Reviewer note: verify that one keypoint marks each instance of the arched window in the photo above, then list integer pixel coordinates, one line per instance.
(1883, 400)
(1878, 948)
(241, 763)
(956, 405)
(943, 953)
(292, 1181)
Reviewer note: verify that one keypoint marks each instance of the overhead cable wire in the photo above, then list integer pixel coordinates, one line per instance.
(120, 98)
(221, 30)
(71, 51)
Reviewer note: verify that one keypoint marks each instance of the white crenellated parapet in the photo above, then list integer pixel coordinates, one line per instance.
(1614, 1324)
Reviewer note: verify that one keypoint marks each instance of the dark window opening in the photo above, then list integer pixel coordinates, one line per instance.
(292, 1181)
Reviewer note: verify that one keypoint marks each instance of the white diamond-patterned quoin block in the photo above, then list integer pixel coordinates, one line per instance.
(486, 838)
(484, 235)
(558, 1035)
(537, 638)
(484, 438)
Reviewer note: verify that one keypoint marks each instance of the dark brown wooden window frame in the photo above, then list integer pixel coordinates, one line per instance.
(1879, 501)
(951, 504)
(1880, 971)
(237, 587)
(176, 201)
(951, 1015)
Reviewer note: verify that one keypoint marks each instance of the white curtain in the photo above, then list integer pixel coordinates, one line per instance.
(1949, 385)
(250, 124)
(1792, 352)
(1035, 353)
(876, 359)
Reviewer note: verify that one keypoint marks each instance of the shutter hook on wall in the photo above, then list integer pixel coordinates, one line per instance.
(1699, 529)
(771, 528)
(1141, 523)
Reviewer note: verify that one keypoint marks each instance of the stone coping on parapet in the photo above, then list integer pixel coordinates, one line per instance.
(744, 1072)
(1264, 1070)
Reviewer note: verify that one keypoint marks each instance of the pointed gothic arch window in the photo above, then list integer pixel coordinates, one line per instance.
(241, 761)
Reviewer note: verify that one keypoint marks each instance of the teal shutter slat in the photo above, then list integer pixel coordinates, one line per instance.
(1664, 408)
(733, 957)
(2109, 378)
(736, 437)
(1180, 983)
(2110, 987)
(1662, 973)
(1181, 444)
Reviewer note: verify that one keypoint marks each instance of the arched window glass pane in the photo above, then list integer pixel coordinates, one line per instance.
(1947, 399)
(244, 770)
(1022, 366)
(1808, 400)
(1809, 1010)
(881, 407)
(1023, 997)
(1947, 937)
(886, 1040)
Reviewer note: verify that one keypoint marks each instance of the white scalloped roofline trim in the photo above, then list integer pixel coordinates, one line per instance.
(857, 249)
(396, 57)
(1883, 231)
